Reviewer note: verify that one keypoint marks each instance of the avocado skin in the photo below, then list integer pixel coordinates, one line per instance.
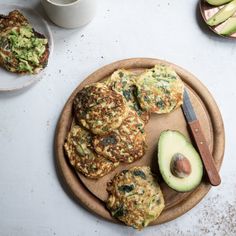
(230, 27)
(217, 2)
(223, 14)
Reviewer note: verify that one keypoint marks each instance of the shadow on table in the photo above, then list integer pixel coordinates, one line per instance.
(69, 33)
(15, 93)
(40, 10)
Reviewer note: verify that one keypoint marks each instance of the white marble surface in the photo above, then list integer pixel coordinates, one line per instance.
(32, 201)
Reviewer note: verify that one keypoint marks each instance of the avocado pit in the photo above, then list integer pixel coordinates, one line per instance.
(180, 166)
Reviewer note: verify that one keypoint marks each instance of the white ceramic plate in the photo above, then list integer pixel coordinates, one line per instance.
(10, 81)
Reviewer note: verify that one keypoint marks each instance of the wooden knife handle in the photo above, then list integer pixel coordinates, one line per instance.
(205, 153)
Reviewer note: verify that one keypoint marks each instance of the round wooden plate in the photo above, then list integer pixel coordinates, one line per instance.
(92, 193)
(207, 11)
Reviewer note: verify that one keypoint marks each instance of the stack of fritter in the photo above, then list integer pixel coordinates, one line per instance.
(110, 118)
(107, 132)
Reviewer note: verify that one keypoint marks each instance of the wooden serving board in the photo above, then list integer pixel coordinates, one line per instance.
(92, 193)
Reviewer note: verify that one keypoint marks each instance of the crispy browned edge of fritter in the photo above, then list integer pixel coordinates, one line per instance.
(14, 18)
(18, 19)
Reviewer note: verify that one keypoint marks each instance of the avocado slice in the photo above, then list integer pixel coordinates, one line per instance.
(179, 163)
(217, 2)
(230, 27)
(223, 14)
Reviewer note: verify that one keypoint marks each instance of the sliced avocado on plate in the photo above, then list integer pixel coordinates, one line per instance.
(230, 27)
(217, 2)
(223, 14)
(179, 163)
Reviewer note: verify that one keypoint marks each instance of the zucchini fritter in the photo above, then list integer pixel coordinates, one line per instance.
(135, 197)
(123, 82)
(99, 109)
(126, 144)
(82, 157)
(160, 90)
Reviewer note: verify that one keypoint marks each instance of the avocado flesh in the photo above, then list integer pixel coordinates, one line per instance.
(223, 14)
(217, 2)
(230, 27)
(170, 143)
(25, 47)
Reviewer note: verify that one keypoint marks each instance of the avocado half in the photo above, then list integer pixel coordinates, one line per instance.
(174, 146)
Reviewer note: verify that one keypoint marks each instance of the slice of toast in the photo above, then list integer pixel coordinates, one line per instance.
(17, 56)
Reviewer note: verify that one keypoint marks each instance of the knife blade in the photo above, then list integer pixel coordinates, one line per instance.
(200, 140)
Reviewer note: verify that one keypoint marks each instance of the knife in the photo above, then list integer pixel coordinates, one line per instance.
(200, 140)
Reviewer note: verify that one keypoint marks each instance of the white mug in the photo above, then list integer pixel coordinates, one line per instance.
(70, 13)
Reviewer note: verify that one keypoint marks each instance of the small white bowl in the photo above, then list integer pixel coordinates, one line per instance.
(70, 13)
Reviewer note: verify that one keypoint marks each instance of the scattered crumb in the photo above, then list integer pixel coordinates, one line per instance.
(221, 222)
